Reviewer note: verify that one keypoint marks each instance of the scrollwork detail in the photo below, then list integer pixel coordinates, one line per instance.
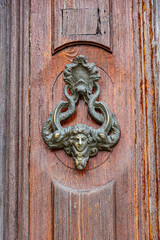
(81, 141)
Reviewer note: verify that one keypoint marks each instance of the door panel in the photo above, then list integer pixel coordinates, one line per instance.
(85, 22)
(56, 186)
(84, 214)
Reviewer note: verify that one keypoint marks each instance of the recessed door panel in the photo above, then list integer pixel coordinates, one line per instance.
(96, 202)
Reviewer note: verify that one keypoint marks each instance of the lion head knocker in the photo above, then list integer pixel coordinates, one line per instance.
(81, 141)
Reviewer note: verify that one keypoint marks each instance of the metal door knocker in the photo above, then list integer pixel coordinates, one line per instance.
(81, 141)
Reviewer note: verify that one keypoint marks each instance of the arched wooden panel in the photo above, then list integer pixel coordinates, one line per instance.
(85, 214)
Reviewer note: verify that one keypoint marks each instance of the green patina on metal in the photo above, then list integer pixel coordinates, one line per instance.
(81, 141)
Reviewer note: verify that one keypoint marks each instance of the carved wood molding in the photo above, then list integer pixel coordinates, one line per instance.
(84, 22)
(14, 221)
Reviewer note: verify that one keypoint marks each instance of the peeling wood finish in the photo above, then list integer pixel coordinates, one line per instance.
(146, 94)
(156, 22)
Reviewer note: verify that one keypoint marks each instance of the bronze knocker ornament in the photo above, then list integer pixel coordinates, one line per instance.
(81, 141)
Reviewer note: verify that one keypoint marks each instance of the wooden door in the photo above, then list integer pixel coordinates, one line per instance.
(116, 195)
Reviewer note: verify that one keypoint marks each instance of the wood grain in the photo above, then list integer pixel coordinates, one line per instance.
(84, 214)
(85, 22)
(156, 22)
(3, 106)
(15, 105)
(146, 95)
(29, 73)
(11, 198)
(44, 166)
(40, 183)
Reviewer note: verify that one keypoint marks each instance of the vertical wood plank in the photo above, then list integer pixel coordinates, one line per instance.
(3, 106)
(11, 231)
(157, 68)
(147, 153)
(40, 183)
(24, 120)
(15, 103)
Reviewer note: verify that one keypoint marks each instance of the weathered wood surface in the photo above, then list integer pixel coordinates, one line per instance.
(85, 22)
(3, 100)
(15, 121)
(146, 96)
(134, 191)
(44, 165)
(76, 211)
(28, 83)
(157, 79)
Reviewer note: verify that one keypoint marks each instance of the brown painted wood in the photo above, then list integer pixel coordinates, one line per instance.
(37, 182)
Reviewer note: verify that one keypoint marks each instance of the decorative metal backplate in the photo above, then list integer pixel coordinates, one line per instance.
(81, 141)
